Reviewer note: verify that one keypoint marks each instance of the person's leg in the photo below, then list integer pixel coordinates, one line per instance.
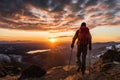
(78, 57)
(84, 53)
(78, 54)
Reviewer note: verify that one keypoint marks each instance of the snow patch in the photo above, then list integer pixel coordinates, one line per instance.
(9, 58)
(16, 58)
(117, 46)
(111, 47)
(4, 59)
(108, 47)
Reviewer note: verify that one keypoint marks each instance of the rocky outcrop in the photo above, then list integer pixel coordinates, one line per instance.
(106, 68)
(32, 72)
(2, 71)
(107, 61)
(9, 70)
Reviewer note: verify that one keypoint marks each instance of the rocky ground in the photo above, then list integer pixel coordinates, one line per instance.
(106, 68)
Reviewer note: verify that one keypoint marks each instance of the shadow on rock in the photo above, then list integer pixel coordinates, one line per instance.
(32, 72)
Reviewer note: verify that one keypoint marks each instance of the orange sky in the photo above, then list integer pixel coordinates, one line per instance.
(99, 34)
(41, 20)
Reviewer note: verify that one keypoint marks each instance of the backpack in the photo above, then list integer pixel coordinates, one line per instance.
(84, 36)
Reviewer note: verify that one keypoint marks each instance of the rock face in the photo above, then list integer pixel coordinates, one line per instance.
(108, 60)
(32, 72)
(2, 72)
(9, 70)
(106, 68)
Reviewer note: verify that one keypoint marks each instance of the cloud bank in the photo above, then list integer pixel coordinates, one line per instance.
(58, 15)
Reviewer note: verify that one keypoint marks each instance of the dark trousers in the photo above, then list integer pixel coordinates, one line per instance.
(81, 56)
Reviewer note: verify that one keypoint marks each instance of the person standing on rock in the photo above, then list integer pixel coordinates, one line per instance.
(84, 41)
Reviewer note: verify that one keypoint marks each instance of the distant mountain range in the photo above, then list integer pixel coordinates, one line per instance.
(58, 55)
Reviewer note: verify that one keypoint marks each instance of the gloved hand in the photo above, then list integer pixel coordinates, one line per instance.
(72, 45)
(90, 48)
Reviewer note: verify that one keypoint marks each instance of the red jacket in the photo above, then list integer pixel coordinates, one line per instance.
(83, 35)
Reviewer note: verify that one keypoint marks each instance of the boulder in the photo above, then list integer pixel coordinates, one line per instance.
(32, 72)
(106, 61)
(2, 71)
(13, 70)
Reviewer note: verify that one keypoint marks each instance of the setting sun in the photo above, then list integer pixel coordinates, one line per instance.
(52, 40)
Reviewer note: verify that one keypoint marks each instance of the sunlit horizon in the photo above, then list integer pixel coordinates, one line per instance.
(99, 34)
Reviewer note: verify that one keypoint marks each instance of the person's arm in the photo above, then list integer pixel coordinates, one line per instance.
(74, 38)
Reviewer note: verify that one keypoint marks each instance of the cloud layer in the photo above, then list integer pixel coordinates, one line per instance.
(58, 15)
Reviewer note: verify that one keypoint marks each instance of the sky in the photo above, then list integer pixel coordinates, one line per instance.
(40, 20)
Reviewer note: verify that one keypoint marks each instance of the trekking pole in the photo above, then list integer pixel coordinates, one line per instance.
(70, 59)
(89, 64)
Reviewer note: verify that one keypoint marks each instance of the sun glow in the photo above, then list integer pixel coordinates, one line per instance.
(52, 40)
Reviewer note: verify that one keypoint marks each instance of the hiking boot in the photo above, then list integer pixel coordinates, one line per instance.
(83, 72)
(78, 69)
(78, 63)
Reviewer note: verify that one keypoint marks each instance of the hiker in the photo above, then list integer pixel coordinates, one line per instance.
(84, 41)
